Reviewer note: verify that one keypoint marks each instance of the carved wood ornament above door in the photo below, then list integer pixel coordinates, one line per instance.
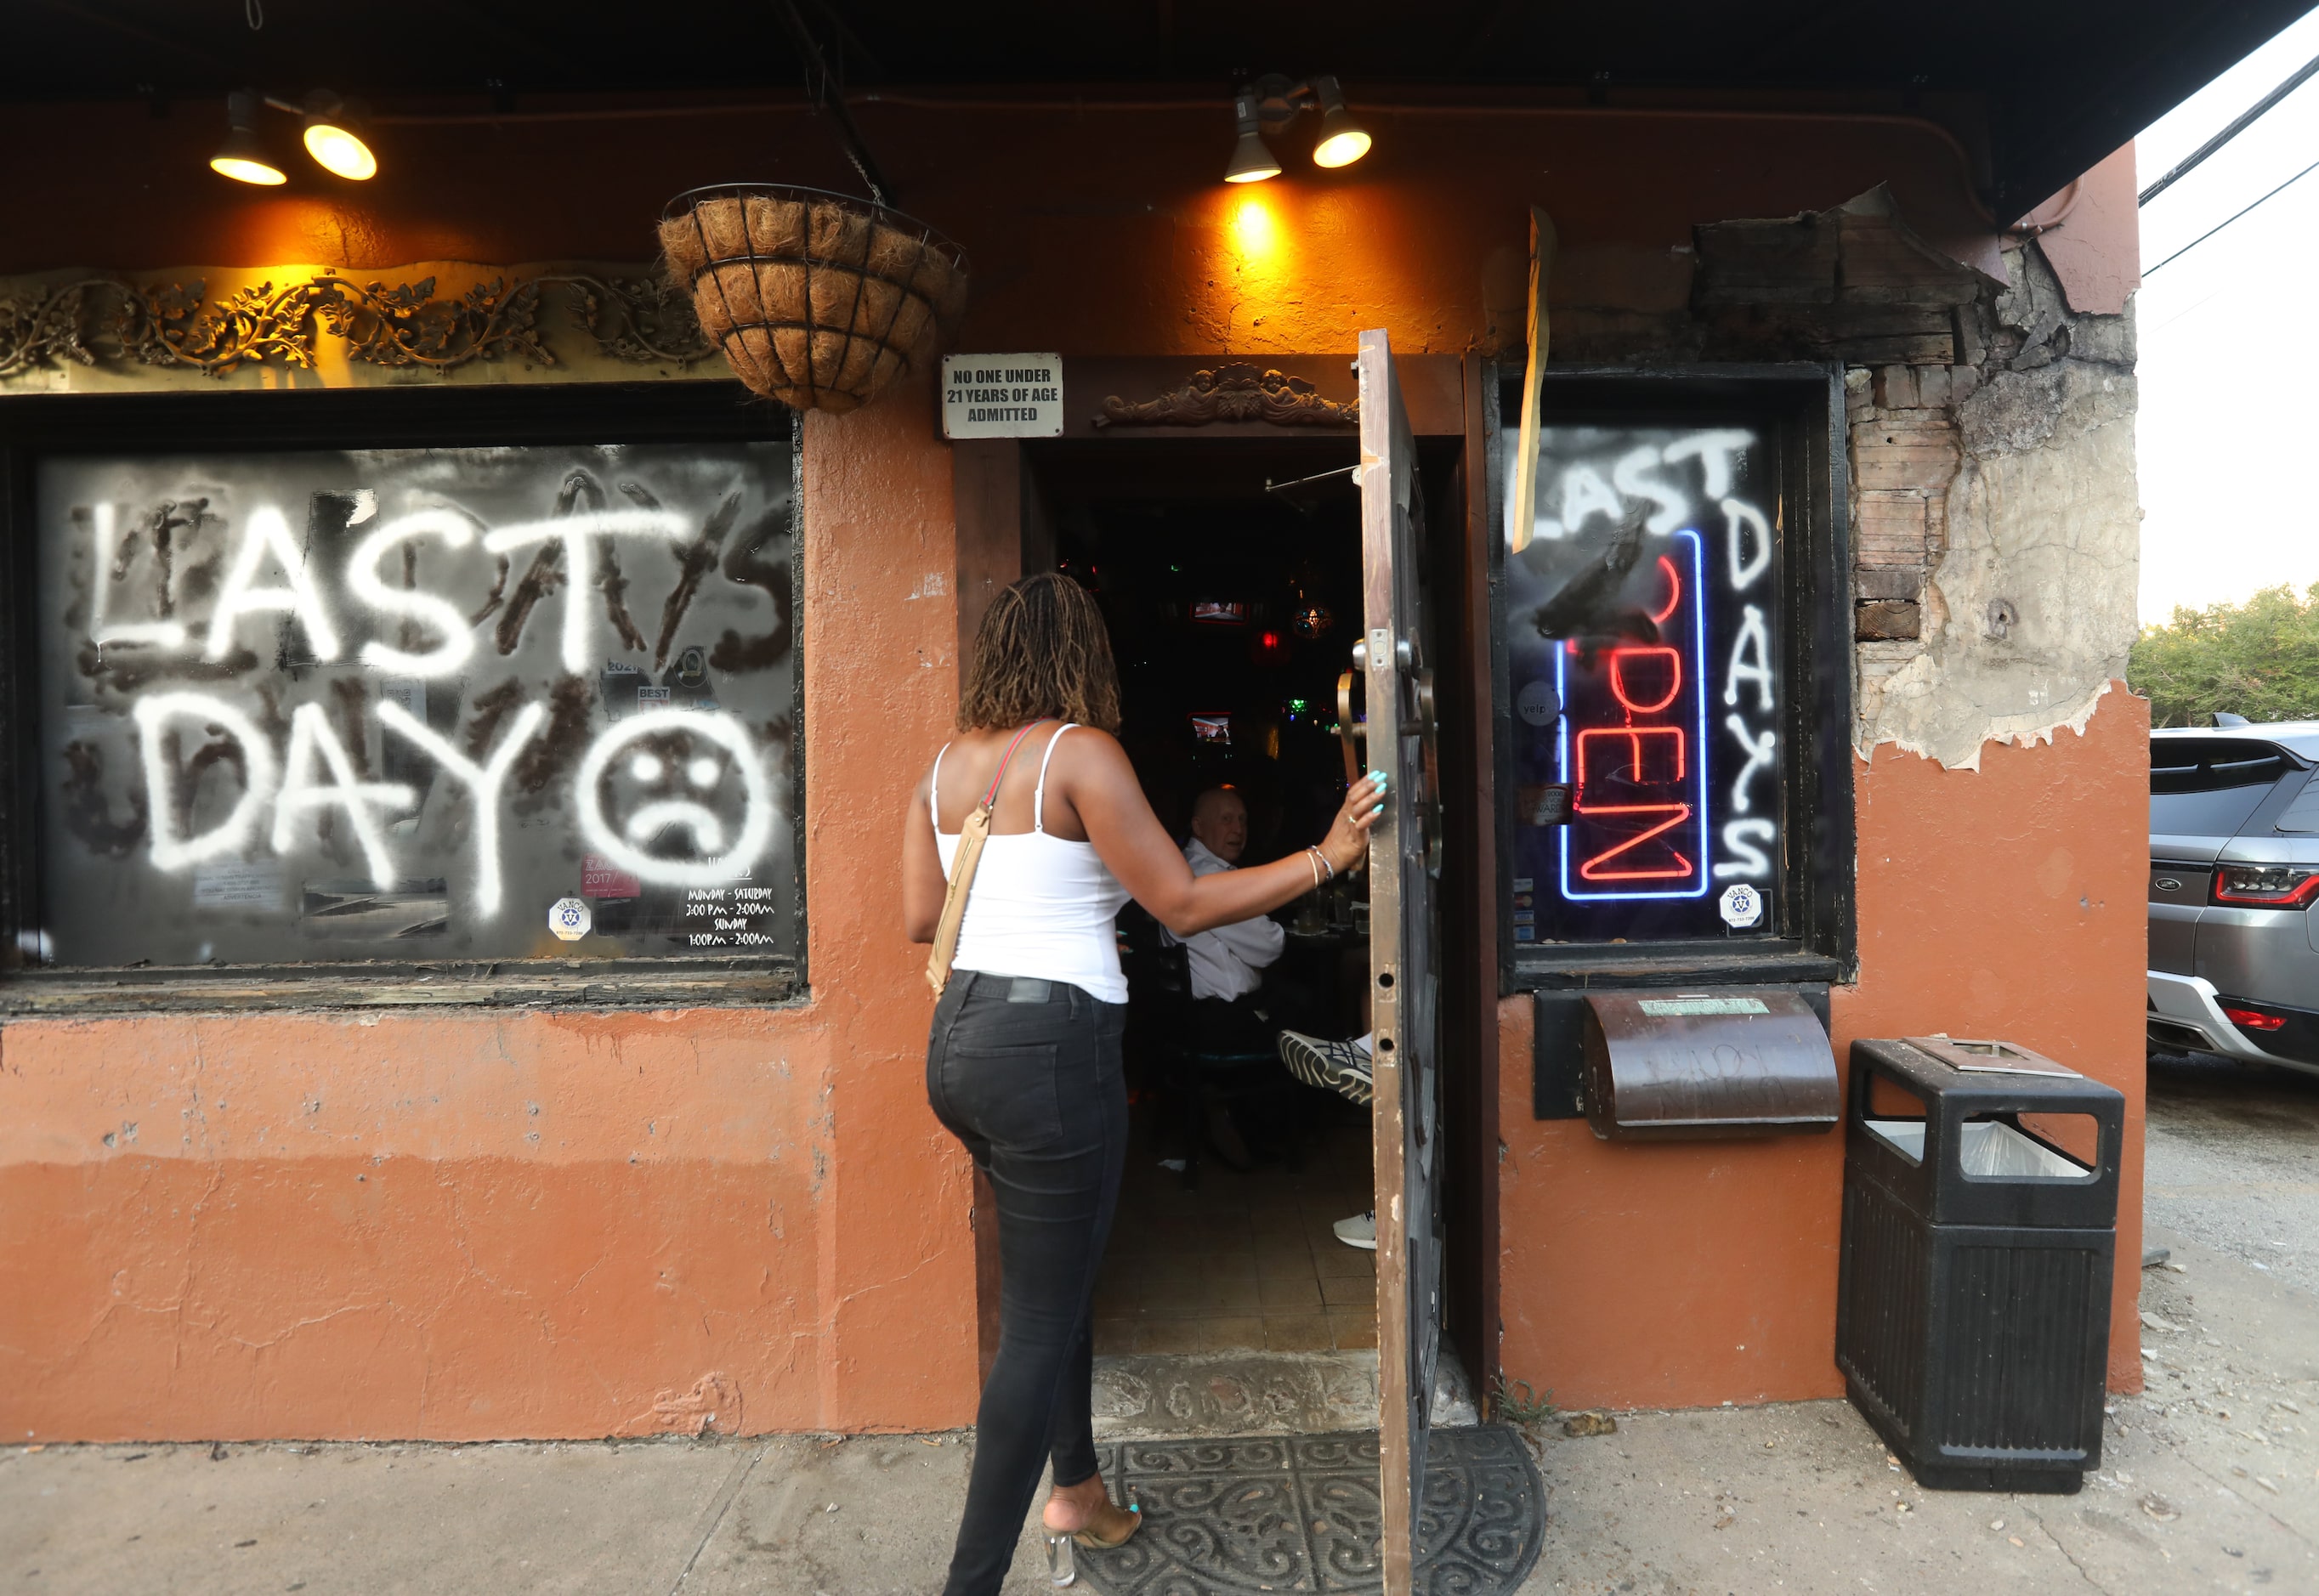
(1237, 392)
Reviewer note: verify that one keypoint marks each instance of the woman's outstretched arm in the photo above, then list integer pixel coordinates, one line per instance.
(1100, 784)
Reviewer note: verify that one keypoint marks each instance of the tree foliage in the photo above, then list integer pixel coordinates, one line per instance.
(2259, 659)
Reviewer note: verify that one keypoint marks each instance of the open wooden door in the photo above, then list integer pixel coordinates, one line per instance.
(1404, 871)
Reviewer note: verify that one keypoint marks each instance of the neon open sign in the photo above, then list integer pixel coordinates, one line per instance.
(1642, 666)
(1633, 747)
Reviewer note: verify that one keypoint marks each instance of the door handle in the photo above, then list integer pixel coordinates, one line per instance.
(1348, 728)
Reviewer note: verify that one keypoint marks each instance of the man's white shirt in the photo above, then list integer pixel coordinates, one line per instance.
(1228, 962)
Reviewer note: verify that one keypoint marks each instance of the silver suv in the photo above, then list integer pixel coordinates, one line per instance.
(2233, 879)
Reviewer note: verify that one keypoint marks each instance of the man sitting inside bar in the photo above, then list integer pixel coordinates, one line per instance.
(1229, 1005)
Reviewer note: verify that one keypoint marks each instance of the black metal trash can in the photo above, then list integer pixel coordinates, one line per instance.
(1973, 1289)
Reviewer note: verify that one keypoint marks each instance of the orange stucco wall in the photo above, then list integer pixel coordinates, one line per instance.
(2007, 902)
(559, 1224)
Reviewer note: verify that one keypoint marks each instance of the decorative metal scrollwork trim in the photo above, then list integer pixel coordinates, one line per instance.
(1235, 393)
(96, 320)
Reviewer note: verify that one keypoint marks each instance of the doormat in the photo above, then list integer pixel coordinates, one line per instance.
(1301, 1513)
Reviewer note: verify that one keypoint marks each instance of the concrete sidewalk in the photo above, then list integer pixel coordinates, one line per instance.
(2210, 1482)
(860, 1517)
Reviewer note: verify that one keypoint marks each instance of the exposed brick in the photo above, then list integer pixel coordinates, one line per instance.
(1933, 386)
(1889, 530)
(1889, 581)
(1896, 388)
(1881, 660)
(1886, 620)
(1915, 425)
(1887, 454)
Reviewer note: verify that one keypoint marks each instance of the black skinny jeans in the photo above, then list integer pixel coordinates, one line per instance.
(1026, 1074)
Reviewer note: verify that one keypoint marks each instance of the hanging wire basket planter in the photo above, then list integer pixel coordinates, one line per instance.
(817, 300)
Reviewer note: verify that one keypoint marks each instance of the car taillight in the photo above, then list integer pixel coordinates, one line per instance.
(2267, 886)
(2247, 1019)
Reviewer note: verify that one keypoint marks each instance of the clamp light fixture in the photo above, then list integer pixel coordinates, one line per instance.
(242, 156)
(1343, 139)
(1269, 103)
(334, 138)
(1251, 160)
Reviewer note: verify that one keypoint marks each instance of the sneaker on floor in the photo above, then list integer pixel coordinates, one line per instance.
(1337, 1066)
(1360, 1230)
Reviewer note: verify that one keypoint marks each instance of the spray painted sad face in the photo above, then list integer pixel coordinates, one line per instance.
(677, 798)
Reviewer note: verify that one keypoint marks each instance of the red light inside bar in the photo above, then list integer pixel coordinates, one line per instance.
(2247, 1019)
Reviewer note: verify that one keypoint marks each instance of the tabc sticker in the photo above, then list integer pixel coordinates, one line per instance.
(570, 919)
(1742, 907)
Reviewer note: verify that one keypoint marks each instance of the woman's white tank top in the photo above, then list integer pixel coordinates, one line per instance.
(1040, 905)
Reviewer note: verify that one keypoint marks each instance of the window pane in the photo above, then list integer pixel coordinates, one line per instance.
(1643, 658)
(397, 704)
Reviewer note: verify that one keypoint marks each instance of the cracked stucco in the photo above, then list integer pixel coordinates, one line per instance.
(2029, 601)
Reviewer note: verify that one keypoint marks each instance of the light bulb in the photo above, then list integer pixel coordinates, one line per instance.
(1252, 161)
(242, 156)
(1342, 140)
(337, 151)
(334, 137)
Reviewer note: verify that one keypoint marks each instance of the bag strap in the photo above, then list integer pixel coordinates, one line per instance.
(970, 838)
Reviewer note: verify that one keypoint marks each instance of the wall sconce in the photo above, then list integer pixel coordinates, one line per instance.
(334, 138)
(1269, 104)
(242, 156)
(1252, 161)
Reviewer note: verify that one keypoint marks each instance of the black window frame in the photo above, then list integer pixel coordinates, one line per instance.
(34, 427)
(1804, 403)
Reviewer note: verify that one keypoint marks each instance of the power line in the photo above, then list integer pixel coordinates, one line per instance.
(2219, 226)
(2245, 119)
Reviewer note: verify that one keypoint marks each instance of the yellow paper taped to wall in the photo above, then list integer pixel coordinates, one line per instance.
(1542, 245)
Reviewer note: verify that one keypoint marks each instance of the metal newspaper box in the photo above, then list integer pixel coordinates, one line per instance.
(1734, 1061)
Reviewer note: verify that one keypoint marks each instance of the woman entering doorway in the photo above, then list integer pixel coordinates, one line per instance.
(1023, 1062)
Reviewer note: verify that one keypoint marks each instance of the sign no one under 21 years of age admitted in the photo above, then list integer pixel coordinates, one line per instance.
(1002, 396)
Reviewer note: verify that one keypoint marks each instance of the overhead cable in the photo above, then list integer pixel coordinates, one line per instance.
(2219, 226)
(2246, 120)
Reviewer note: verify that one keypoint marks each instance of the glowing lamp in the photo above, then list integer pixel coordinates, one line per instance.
(334, 139)
(1252, 161)
(1343, 139)
(242, 156)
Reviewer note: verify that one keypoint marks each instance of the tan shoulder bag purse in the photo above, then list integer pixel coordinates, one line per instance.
(970, 838)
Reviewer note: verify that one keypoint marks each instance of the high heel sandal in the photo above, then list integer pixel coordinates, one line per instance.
(1063, 1565)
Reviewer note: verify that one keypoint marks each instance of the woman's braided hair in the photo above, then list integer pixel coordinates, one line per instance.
(1041, 653)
